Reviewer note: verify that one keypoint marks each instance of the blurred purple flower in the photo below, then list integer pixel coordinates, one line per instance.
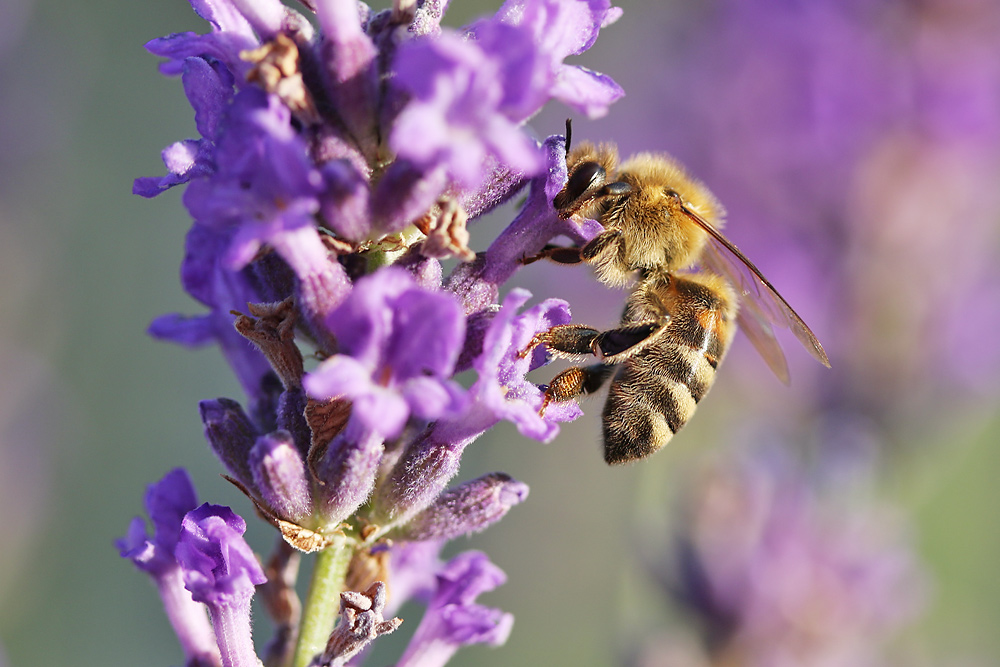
(453, 618)
(873, 134)
(777, 573)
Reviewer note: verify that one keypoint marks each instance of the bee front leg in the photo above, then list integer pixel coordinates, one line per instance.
(575, 381)
(601, 243)
(556, 253)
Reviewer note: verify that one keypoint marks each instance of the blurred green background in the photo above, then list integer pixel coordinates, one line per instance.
(92, 410)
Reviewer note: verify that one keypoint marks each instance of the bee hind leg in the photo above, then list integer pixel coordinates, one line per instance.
(575, 381)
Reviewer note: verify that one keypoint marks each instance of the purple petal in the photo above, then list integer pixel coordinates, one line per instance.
(464, 105)
(384, 411)
(588, 92)
(221, 570)
(453, 619)
(264, 16)
(209, 88)
(428, 330)
(185, 160)
(502, 387)
(337, 376)
(431, 398)
(363, 322)
(192, 331)
(219, 566)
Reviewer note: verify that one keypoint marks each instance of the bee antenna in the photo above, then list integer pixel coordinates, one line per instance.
(569, 134)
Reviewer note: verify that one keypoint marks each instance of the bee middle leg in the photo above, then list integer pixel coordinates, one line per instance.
(564, 340)
(570, 340)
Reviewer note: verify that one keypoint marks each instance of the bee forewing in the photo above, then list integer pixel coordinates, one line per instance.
(758, 296)
(761, 336)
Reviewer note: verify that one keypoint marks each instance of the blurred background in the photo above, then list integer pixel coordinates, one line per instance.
(850, 519)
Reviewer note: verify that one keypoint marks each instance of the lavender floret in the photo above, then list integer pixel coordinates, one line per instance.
(454, 618)
(167, 502)
(221, 571)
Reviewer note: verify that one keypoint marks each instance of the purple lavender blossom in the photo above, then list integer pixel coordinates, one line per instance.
(502, 386)
(562, 29)
(458, 114)
(167, 502)
(221, 571)
(399, 345)
(453, 618)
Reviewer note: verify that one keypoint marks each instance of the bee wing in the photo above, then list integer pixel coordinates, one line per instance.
(760, 304)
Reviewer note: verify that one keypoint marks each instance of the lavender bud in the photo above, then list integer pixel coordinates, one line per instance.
(231, 434)
(346, 473)
(280, 475)
(469, 508)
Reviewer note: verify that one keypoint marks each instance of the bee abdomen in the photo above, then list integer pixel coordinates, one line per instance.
(651, 397)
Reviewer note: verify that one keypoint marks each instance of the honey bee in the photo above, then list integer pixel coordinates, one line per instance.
(678, 322)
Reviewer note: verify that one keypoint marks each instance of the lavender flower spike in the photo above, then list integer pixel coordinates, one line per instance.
(338, 157)
(453, 619)
(167, 501)
(221, 571)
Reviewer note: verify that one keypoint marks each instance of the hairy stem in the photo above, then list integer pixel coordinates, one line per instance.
(323, 602)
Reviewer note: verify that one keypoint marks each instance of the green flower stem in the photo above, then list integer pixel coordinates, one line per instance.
(323, 602)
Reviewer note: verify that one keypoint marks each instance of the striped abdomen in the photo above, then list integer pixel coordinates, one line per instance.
(655, 392)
